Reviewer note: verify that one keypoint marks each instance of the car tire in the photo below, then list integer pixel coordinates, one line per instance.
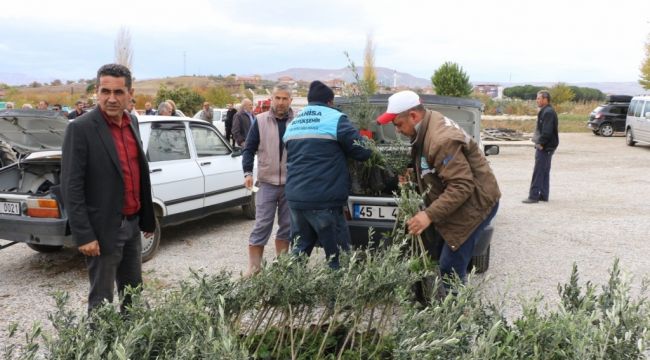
(150, 245)
(606, 129)
(596, 132)
(629, 137)
(481, 262)
(249, 208)
(45, 248)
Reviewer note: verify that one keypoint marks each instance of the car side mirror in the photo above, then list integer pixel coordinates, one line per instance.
(491, 150)
(236, 152)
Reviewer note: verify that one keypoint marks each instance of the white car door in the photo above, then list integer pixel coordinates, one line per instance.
(224, 177)
(176, 179)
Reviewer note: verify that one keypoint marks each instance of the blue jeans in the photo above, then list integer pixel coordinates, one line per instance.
(539, 185)
(325, 226)
(457, 261)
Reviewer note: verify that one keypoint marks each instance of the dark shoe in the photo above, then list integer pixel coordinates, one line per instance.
(530, 201)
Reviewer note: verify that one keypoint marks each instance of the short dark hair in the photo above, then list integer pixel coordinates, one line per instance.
(545, 94)
(115, 70)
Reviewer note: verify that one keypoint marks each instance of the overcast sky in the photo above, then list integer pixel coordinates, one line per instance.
(501, 41)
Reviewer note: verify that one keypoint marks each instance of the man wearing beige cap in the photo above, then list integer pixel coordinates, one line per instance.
(457, 183)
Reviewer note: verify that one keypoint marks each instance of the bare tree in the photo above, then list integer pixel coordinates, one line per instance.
(123, 48)
(369, 72)
(644, 78)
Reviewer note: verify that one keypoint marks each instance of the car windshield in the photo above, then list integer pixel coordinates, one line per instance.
(29, 131)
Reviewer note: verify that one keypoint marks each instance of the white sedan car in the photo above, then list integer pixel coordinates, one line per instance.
(194, 173)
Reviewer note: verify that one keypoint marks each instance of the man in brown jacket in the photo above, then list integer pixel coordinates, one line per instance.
(457, 183)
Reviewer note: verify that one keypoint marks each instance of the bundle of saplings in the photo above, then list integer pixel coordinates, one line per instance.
(379, 175)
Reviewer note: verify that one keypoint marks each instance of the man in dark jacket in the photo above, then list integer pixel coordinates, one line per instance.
(242, 121)
(319, 141)
(106, 188)
(546, 141)
(230, 115)
(78, 110)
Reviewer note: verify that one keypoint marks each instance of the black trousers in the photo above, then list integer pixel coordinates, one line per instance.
(540, 184)
(123, 266)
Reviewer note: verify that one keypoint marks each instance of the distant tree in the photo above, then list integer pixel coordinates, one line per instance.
(451, 80)
(219, 96)
(35, 84)
(81, 81)
(56, 82)
(69, 82)
(123, 48)
(644, 78)
(583, 94)
(362, 113)
(525, 92)
(4, 86)
(186, 99)
(561, 93)
(369, 71)
(90, 88)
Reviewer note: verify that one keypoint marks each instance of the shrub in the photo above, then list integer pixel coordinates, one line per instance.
(450, 80)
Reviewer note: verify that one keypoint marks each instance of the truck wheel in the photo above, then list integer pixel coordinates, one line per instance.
(150, 245)
(481, 262)
(45, 248)
(249, 208)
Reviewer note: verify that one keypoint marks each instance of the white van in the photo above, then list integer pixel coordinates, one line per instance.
(637, 122)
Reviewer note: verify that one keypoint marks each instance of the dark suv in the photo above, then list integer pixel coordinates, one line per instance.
(609, 118)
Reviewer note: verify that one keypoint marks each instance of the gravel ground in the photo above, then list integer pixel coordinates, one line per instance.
(598, 212)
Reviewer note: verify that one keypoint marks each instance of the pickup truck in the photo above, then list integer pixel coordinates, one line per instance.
(379, 211)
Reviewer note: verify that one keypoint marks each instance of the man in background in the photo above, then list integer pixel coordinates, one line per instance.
(546, 140)
(230, 114)
(206, 112)
(148, 110)
(78, 110)
(242, 122)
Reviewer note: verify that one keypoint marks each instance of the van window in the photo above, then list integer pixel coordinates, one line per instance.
(638, 108)
(630, 110)
(645, 109)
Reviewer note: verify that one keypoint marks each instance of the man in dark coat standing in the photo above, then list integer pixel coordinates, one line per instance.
(546, 140)
(106, 188)
(230, 115)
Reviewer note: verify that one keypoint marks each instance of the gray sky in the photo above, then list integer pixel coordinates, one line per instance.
(518, 41)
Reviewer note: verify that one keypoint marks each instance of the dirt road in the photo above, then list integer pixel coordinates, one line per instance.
(599, 210)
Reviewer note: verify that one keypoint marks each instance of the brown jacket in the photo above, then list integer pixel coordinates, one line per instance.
(462, 189)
